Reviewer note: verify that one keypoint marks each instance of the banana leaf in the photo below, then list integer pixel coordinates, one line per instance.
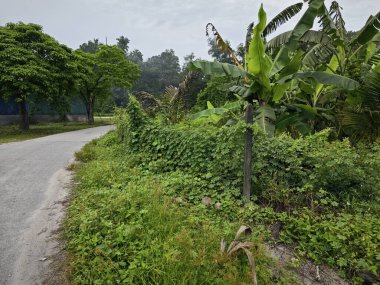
(324, 78)
(217, 69)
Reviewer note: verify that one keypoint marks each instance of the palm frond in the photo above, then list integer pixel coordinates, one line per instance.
(282, 18)
(221, 43)
(363, 121)
(370, 91)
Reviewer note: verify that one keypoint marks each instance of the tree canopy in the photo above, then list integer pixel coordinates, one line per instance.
(97, 73)
(33, 67)
(159, 72)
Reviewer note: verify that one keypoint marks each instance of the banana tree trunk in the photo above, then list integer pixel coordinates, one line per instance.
(248, 154)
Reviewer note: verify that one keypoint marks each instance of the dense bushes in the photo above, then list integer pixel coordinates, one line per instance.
(286, 171)
(313, 185)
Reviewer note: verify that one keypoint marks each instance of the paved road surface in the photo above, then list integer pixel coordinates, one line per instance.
(32, 182)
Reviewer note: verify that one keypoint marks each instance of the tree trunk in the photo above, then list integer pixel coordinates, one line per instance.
(24, 115)
(90, 111)
(248, 153)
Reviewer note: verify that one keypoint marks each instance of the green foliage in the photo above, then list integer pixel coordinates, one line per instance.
(98, 72)
(281, 162)
(370, 29)
(216, 92)
(259, 63)
(332, 179)
(282, 18)
(34, 67)
(347, 241)
(91, 46)
(361, 116)
(124, 226)
(159, 72)
(218, 68)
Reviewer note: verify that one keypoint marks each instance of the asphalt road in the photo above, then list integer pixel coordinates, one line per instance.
(32, 182)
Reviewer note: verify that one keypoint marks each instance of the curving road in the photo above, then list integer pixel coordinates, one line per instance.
(33, 188)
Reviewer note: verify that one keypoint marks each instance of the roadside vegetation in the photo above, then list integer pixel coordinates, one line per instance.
(154, 201)
(215, 163)
(299, 112)
(127, 225)
(12, 133)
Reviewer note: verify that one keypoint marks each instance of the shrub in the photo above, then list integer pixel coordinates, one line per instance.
(285, 170)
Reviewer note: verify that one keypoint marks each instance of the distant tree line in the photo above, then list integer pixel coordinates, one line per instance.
(35, 68)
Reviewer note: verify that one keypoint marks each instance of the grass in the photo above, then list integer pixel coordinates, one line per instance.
(124, 227)
(11, 133)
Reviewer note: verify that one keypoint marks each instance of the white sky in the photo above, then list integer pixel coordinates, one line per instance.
(156, 25)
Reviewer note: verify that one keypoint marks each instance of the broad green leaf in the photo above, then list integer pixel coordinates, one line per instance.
(324, 78)
(217, 68)
(370, 29)
(208, 113)
(279, 91)
(309, 37)
(242, 91)
(293, 66)
(305, 23)
(259, 63)
(209, 105)
(282, 18)
(232, 106)
(317, 54)
(306, 87)
(309, 109)
(280, 61)
(331, 68)
(265, 117)
(371, 50)
(329, 27)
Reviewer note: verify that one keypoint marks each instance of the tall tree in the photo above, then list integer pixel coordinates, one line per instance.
(136, 57)
(33, 67)
(218, 54)
(90, 46)
(159, 72)
(193, 83)
(98, 72)
(123, 43)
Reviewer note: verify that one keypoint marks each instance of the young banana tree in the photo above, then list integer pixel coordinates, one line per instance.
(264, 80)
(318, 102)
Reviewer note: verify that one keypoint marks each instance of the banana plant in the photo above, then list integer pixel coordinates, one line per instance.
(318, 101)
(265, 80)
(228, 110)
(281, 18)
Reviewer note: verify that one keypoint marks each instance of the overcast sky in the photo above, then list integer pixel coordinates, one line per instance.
(156, 25)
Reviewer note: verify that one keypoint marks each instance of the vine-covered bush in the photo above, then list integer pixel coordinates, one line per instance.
(215, 92)
(287, 172)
